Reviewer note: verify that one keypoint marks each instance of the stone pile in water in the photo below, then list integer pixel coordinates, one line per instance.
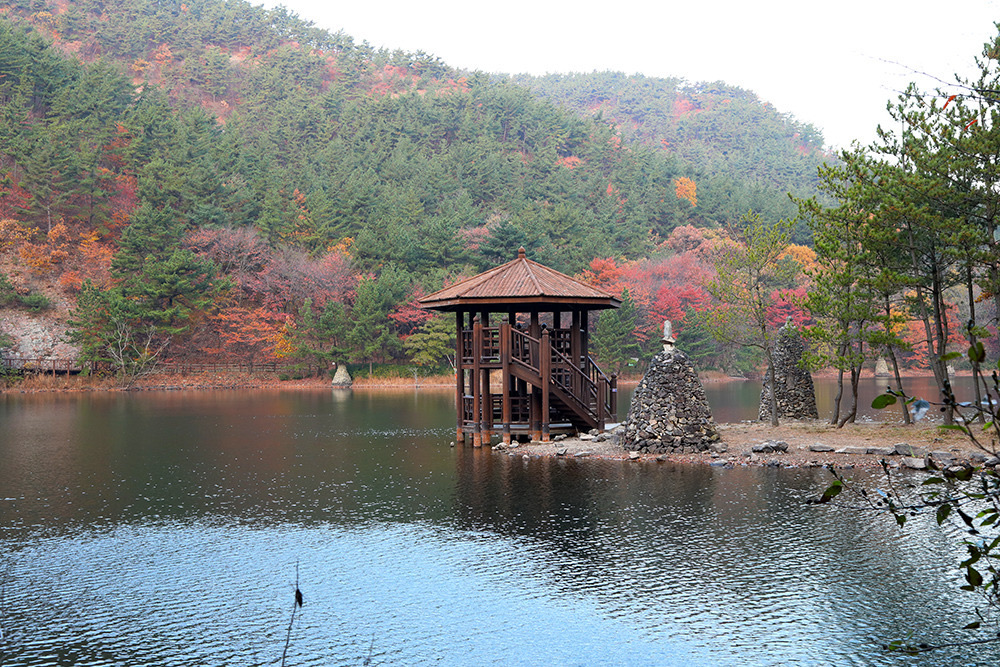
(669, 410)
(793, 385)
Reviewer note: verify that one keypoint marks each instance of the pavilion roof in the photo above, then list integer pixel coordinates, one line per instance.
(520, 283)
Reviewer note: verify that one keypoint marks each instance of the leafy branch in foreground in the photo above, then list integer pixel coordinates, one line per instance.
(967, 495)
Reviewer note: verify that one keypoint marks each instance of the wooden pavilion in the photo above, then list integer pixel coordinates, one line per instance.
(548, 382)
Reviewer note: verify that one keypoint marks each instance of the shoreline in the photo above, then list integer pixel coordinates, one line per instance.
(861, 445)
(848, 446)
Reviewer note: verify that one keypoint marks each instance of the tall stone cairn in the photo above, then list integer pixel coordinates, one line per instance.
(669, 410)
(341, 378)
(793, 384)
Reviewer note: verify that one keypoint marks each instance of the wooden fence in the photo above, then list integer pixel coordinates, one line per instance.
(72, 366)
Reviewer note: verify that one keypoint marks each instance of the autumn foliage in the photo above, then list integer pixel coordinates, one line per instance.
(687, 190)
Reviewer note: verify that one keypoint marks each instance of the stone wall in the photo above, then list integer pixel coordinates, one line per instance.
(669, 410)
(793, 384)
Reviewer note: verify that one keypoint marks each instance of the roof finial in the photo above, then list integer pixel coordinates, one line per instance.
(521, 253)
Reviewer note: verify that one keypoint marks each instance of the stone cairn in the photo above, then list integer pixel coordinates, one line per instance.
(793, 384)
(341, 378)
(669, 410)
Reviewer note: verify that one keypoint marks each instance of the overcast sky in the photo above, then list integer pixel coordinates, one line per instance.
(834, 65)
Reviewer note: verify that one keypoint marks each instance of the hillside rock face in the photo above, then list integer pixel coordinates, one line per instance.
(669, 410)
(793, 385)
(35, 338)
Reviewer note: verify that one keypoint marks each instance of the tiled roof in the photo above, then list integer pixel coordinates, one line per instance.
(520, 281)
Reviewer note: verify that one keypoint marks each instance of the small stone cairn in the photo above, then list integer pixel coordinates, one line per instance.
(793, 384)
(669, 410)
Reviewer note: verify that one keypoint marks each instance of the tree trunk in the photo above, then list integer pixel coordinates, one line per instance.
(835, 418)
(853, 412)
(899, 384)
(935, 352)
(973, 339)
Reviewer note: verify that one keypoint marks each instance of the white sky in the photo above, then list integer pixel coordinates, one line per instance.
(831, 64)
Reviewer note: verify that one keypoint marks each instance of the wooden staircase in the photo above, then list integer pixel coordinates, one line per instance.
(543, 388)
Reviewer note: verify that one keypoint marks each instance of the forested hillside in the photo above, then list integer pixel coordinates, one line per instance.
(740, 150)
(214, 178)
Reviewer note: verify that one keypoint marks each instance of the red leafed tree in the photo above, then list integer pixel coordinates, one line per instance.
(124, 201)
(240, 253)
(785, 304)
(604, 274)
(408, 315)
(246, 334)
(278, 280)
(686, 238)
(666, 288)
(915, 335)
(13, 198)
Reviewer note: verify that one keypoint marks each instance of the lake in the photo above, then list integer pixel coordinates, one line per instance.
(161, 528)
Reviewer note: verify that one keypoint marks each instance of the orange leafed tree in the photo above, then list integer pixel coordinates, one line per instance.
(605, 274)
(803, 255)
(686, 189)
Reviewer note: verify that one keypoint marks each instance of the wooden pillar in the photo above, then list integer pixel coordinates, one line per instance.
(505, 379)
(614, 397)
(602, 392)
(477, 396)
(459, 375)
(486, 395)
(576, 352)
(545, 367)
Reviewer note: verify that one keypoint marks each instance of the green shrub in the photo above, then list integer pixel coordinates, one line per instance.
(10, 297)
(35, 302)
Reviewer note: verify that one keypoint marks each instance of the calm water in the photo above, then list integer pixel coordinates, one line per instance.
(166, 528)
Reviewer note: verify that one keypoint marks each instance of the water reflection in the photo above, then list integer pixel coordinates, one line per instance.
(165, 529)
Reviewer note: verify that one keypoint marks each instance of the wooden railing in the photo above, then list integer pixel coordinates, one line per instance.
(55, 366)
(591, 391)
(44, 365)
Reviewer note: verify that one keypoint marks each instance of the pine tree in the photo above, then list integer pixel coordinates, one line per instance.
(614, 340)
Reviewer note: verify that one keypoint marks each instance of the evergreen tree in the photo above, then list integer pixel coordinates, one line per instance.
(614, 340)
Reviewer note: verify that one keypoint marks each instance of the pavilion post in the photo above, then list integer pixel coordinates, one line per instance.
(477, 396)
(545, 368)
(614, 397)
(486, 395)
(602, 392)
(577, 352)
(459, 376)
(505, 379)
